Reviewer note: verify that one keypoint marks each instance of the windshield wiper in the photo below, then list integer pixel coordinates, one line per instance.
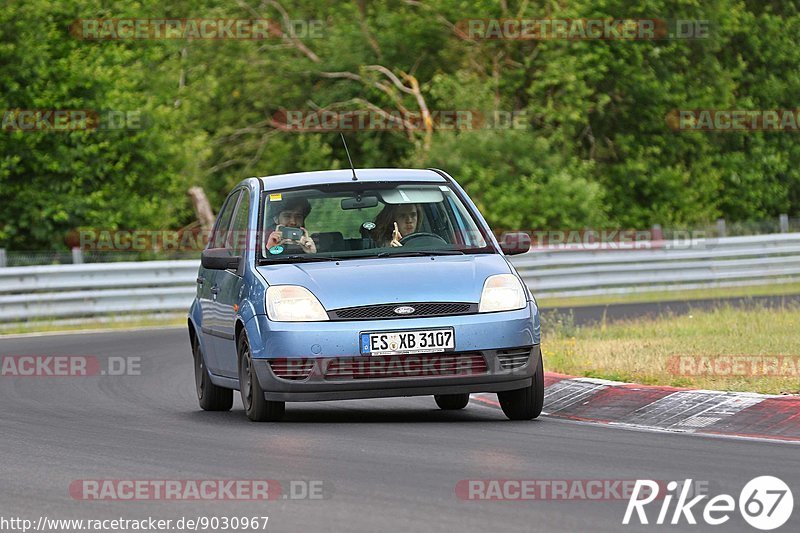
(295, 259)
(423, 253)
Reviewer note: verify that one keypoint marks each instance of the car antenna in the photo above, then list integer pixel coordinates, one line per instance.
(355, 178)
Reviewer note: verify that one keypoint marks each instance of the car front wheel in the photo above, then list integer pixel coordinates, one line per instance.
(257, 408)
(525, 404)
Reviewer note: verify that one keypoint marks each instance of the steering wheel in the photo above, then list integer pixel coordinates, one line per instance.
(437, 239)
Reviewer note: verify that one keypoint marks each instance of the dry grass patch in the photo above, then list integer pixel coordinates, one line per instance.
(640, 350)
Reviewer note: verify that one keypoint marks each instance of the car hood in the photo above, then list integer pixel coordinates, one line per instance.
(357, 282)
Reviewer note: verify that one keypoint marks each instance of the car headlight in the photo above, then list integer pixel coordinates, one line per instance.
(502, 292)
(292, 303)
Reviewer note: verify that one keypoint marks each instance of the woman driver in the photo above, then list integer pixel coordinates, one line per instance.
(396, 221)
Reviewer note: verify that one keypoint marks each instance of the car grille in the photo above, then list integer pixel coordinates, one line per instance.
(406, 366)
(514, 358)
(372, 312)
(291, 369)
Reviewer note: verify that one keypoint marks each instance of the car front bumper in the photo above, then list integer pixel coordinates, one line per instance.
(489, 335)
(320, 386)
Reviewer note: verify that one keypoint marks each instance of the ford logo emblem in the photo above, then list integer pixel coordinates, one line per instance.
(404, 310)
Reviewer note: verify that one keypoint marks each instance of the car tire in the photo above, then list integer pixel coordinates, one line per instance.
(527, 403)
(257, 408)
(210, 396)
(451, 402)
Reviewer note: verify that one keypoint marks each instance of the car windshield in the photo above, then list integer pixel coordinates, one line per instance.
(367, 220)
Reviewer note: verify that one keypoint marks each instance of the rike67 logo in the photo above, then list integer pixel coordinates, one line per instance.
(765, 503)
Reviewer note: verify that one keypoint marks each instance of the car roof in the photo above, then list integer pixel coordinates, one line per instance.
(320, 177)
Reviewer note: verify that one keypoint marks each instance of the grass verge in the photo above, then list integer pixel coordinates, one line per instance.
(645, 350)
(114, 323)
(783, 289)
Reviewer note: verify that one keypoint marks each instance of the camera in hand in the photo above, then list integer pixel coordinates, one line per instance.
(293, 234)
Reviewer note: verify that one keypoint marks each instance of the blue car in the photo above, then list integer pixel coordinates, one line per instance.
(370, 283)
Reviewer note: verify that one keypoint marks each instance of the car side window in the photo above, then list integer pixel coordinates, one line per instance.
(220, 233)
(237, 237)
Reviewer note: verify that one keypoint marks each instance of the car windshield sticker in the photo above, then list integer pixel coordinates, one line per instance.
(275, 197)
(275, 250)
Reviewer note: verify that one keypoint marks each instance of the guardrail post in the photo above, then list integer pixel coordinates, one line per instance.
(721, 227)
(77, 256)
(3, 258)
(784, 222)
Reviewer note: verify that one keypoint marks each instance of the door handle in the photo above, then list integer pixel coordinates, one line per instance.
(215, 290)
(200, 280)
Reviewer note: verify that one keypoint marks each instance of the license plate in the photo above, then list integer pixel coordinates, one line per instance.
(408, 342)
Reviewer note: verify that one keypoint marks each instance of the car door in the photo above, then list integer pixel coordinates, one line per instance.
(208, 287)
(231, 285)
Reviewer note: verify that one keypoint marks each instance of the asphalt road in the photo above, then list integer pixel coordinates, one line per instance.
(385, 465)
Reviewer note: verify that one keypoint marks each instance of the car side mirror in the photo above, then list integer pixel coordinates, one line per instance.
(515, 242)
(219, 259)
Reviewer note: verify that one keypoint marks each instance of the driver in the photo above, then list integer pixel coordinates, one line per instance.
(293, 213)
(396, 221)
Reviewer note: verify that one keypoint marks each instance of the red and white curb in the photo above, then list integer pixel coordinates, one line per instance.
(738, 414)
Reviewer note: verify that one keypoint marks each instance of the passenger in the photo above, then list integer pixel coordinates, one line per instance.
(291, 213)
(395, 222)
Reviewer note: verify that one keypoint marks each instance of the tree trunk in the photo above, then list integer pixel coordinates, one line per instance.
(201, 207)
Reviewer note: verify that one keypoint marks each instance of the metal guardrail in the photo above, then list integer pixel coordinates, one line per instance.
(91, 289)
(59, 291)
(666, 265)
